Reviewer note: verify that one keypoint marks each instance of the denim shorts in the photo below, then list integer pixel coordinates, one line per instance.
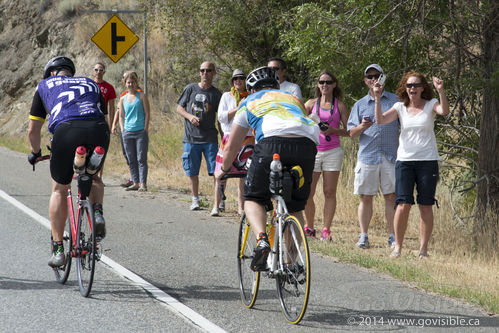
(191, 158)
(423, 174)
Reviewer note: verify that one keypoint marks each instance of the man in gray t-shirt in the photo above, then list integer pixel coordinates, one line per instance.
(198, 104)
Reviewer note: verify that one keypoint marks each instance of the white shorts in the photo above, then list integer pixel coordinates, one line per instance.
(329, 160)
(370, 177)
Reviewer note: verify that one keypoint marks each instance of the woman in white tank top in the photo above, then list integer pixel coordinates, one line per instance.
(417, 155)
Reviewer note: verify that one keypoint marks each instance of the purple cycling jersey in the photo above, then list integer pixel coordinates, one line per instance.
(68, 98)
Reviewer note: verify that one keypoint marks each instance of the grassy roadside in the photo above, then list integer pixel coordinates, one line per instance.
(454, 268)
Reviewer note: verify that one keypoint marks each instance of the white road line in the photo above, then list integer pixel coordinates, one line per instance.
(166, 300)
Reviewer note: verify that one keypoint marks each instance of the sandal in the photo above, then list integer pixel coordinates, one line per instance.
(423, 256)
(395, 254)
(132, 188)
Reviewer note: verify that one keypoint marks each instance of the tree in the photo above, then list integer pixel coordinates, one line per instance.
(487, 226)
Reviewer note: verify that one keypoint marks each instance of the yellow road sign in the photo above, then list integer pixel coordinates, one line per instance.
(115, 38)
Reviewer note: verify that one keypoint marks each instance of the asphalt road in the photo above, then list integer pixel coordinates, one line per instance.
(167, 269)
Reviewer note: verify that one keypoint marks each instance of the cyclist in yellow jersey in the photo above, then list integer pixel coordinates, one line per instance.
(281, 126)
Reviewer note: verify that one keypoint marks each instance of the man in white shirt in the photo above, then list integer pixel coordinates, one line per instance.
(279, 66)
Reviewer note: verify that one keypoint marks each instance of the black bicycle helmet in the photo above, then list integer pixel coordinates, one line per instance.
(58, 62)
(263, 77)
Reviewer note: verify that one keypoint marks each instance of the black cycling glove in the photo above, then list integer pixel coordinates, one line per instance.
(33, 156)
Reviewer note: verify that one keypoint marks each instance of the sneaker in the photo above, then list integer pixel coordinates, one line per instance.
(310, 232)
(142, 188)
(363, 241)
(221, 206)
(215, 212)
(100, 223)
(127, 183)
(391, 241)
(326, 234)
(195, 203)
(58, 259)
(261, 252)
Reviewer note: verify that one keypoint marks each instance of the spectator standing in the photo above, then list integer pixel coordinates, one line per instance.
(198, 104)
(227, 109)
(106, 88)
(115, 126)
(327, 105)
(376, 156)
(417, 155)
(279, 66)
(134, 122)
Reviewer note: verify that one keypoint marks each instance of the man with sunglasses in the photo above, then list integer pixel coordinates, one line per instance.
(279, 66)
(106, 88)
(376, 156)
(198, 104)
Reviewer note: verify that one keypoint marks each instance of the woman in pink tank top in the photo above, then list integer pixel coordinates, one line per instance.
(327, 105)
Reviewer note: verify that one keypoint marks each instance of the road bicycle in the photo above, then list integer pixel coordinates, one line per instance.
(79, 236)
(289, 260)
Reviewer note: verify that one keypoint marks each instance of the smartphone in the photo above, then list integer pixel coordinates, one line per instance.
(382, 79)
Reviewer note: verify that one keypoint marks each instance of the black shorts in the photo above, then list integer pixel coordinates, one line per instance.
(293, 151)
(67, 137)
(423, 174)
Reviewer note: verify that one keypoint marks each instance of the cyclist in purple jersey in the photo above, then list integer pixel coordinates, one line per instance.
(76, 111)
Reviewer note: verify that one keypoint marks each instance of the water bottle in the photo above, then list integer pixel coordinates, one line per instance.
(275, 175)
(95, 160)
(79, 161)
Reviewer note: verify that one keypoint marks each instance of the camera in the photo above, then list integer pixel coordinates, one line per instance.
(323, 125)
(368, 118)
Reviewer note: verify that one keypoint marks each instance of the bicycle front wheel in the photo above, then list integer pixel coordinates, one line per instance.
(249, 281)
(293, 283)
(62, 272)
(86, 249)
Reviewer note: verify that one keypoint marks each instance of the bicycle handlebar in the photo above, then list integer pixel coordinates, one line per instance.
(41, 158)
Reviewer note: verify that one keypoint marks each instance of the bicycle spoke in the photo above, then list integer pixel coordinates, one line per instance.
(293, 283)
(86, 250)
(62, 273)
(248, 280)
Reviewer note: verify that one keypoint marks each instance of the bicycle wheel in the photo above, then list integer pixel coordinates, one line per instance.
(62, 272)
(293, 284)
(248, 280)
(86, 249)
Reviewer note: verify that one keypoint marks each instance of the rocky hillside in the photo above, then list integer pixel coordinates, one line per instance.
(32, 32)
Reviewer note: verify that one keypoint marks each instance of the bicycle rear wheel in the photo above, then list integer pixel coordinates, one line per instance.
(249, 281)
(86, 249)
(62, 272)
(293, 284)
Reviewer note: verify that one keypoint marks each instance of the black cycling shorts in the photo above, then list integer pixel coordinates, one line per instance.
(67, 137)
(293, 151)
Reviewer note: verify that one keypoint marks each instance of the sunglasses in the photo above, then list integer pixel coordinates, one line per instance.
(372, 76)
(207, 70)
(242, 78)
(414, 85)
(275, 68)
(99, 70)
(326, 82)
